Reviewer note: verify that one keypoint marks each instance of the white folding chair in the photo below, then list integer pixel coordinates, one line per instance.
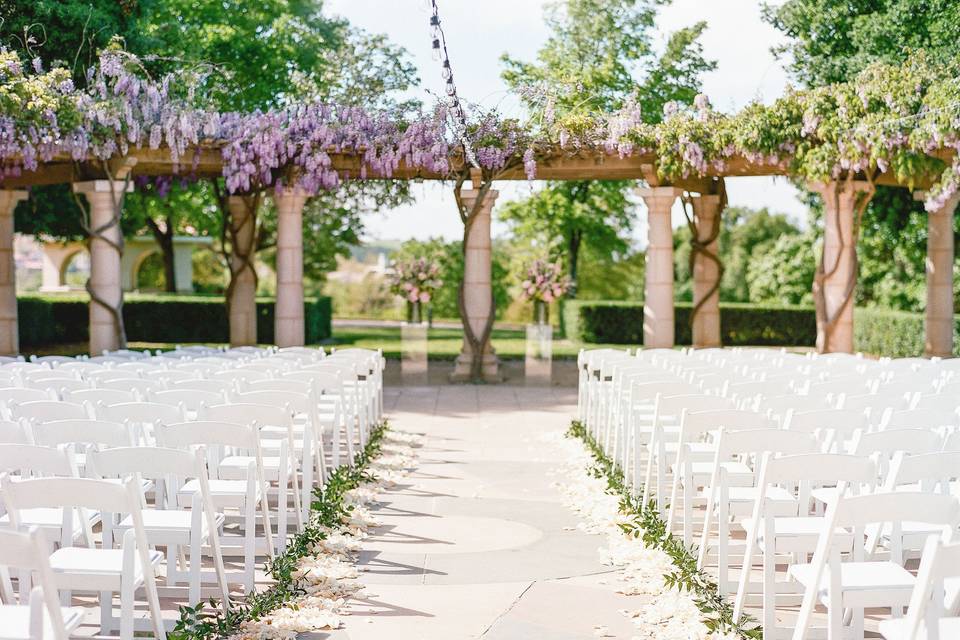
(244, 495)
(38, 616)
(282, 468)
(774, 533)
(99, 396)
(165, 525)
(862, 583)
(40, 411)
(928, 616)
(105, 570)
(735, 500)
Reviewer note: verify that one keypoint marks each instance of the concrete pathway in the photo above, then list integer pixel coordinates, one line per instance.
(477, 543)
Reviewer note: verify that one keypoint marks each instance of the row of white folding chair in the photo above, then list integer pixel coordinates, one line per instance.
(931, 615)
(37, 613)
(861, 582)
(88, 568)
(139, 419)
(795, 534)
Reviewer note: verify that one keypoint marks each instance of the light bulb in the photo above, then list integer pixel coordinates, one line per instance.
(435, 53)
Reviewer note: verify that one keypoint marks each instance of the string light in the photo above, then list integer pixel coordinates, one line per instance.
(439, 53)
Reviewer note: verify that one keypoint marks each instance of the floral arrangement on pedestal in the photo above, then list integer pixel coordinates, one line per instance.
(415, 281)
(544, 283)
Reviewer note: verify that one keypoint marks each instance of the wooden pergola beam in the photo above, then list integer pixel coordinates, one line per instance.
(206, 162)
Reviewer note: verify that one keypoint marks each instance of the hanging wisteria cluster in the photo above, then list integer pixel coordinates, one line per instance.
(901, 119)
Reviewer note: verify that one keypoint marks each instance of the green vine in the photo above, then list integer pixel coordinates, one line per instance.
(207, 620)
(644, 522)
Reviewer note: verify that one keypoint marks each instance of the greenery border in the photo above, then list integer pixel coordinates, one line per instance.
(207, 621)
(644, 521)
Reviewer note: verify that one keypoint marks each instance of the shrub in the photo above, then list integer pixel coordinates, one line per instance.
(885, 332)
(617, 322)
(64, 319)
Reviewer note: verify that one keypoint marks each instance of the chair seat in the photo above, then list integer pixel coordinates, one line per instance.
(223, 493)
(864, 584)
(896, 629)
(235, 467)
(170, 524)
(780, 502)
(50, 519)
(87, 569)
(15, 621)
(738, 474)
(799, 534)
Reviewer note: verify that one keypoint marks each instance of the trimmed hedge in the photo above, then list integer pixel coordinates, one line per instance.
(616, 322)
(885, 332)
(897, 334)
(46, 320)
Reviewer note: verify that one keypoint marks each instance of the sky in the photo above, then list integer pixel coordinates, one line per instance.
(478, 33)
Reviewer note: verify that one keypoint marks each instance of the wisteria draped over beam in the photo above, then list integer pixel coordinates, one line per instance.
(903, 120)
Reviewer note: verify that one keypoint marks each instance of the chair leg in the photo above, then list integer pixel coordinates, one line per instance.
(126, 608)
(723, 562)
(769, 591)
(106, 612)
(249, 544)
(196, 560)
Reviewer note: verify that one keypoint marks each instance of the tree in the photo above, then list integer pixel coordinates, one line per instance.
(280, 51)
(594, 61)
(743, 232)
(566, 215)
(832, 41)
(70, 32)
(264, 49)
(166, 208)
(782, 270)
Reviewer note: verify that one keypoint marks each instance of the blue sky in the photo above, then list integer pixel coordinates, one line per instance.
(479, 32)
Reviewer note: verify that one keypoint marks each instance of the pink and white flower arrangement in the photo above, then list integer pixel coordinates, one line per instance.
(545, 282)
(415, 280)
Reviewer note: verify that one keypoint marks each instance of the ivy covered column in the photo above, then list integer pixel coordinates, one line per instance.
(658, 291)
(706, 271)
(242, 292)
(835, 279)
(940, 255)
(9, 331)
(477, 290)
(289, 328)
(105, 202)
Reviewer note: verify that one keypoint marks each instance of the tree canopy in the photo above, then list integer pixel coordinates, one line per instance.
(599, 58)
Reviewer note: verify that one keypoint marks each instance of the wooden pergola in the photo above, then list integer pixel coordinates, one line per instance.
(99, 184)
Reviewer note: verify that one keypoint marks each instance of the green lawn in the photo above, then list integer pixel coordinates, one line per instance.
(444, 344)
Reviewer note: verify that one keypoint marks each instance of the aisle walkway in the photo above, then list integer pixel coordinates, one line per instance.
(476, 543)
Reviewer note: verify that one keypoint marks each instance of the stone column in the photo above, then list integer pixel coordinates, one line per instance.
(940, 254)
(105, 276)
(9, 331)
(288, 316)
(706, 274)
(658, 292)
(243, 296)
(839, 248)
(477, 286)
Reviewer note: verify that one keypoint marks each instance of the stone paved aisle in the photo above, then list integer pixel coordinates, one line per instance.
(476, 543)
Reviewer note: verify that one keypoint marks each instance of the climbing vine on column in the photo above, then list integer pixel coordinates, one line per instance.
(700, 247)
(237, 255)
(826, 321)
(101, 233)
(478, 343)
